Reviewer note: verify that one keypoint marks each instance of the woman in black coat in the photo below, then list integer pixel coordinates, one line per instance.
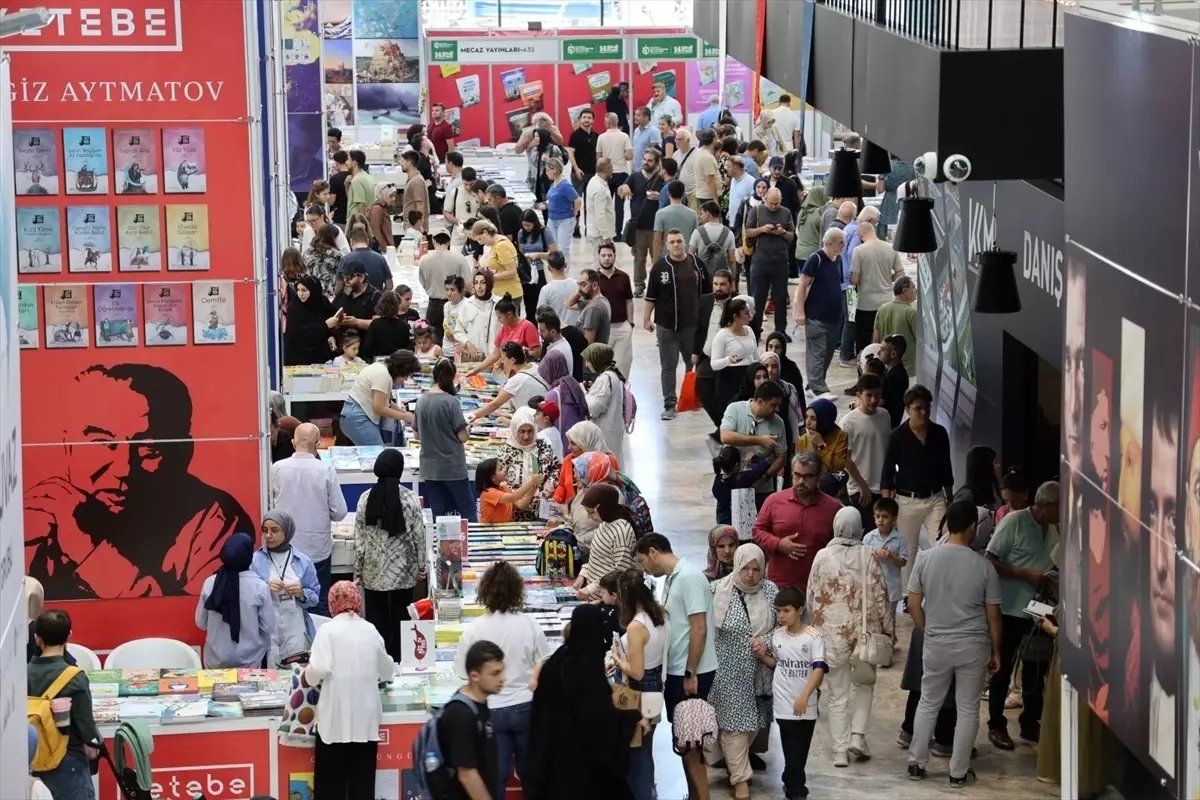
(573, 703)
(388, 332)
(311, 320)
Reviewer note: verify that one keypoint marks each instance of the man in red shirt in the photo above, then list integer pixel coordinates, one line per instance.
(441, 132)
(795, 523)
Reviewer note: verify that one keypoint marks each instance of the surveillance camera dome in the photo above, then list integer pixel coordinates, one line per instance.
(957, 168)
(925, 165)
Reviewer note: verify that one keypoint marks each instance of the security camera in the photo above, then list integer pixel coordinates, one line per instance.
(926, 165)
(957, 168)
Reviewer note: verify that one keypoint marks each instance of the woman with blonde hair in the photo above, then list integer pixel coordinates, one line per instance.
(501, 259)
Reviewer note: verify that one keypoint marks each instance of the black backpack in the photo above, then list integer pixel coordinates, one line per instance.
(712, 255)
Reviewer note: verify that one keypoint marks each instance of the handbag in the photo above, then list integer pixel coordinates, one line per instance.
(873, 649)
(652, 703)
(688, 399)
(747, 241)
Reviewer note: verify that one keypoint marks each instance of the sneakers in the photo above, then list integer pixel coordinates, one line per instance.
(858, 747)
(668, 413)
(916, 772)
(848, 364)
(904, 739)
(639, 291)
(1013, 700)
(938, 750)
(1000, 739)
(964, 781)
(840, 760)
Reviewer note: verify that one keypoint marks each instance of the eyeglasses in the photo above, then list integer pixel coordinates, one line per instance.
(806, 475)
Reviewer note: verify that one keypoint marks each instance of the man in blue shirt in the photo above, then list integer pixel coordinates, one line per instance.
(741, 188)
(644, 134)
(710, 115)
(818, 307)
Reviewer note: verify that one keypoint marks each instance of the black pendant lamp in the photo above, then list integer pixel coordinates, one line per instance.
(873, 159)
(844, 179)
(914, 230)
(996, 289)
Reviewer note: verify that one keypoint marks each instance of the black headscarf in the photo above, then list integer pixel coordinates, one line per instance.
(304, 340)
(383, 503)
(225, 597)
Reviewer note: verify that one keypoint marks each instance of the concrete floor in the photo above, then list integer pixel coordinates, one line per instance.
(671, 465)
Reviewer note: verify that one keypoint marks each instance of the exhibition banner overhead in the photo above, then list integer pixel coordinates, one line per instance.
(480, 50)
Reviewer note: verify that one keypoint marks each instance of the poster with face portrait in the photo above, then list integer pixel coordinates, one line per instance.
(1123, 446)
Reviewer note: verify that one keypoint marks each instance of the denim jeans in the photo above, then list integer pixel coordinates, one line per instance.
(324, 569)
(640, 776)
(451, 497)
(358, 427)
(511, 727)
(562, 230)
(71, 778)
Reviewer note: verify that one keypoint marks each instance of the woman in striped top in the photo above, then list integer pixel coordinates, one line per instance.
(612, 546)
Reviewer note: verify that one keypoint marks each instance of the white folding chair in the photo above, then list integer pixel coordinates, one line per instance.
(85, 657)
(153, 654)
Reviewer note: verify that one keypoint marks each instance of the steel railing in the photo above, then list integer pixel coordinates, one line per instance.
(963, 24)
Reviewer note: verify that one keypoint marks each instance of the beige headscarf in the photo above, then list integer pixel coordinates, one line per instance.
(757, 607)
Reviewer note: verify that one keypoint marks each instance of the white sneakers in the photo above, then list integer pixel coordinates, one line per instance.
(858, 747)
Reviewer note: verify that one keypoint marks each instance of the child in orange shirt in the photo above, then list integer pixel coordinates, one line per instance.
(496, 500)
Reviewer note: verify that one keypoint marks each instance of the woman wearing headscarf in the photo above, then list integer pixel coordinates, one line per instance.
(573, 703)
(822, 435)
(743, 609)
(753, 377)
(777, 343)
(311, 320)
(612, 545)
(477, 325)
(844, 576)
(292, 580)
(582, 437)
(235, 610)
(808, 223)
(348, 662)
(765, 131)
(564, 390)
(606, 396)
(524, 455)
(389, 548)
(722, 544)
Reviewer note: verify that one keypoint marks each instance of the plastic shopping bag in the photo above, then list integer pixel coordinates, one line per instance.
(688, 401)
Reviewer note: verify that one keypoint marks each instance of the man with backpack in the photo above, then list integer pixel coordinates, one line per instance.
(61, 761)
(712, 243)
(464, 733)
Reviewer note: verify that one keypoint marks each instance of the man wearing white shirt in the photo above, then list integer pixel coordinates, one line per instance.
(600, 225)
(616, 146)
(787, 124)
(663, 105)
(307, 488)
(685, 148)
(868, 429)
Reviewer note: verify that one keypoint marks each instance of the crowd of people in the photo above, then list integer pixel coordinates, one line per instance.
(826, 528)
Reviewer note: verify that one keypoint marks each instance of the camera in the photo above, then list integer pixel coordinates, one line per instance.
(957, 168)
(926, 165)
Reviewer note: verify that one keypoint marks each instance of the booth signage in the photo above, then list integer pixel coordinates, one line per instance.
(489, 50)
(709, 50)
(666, 48)
(612, 49)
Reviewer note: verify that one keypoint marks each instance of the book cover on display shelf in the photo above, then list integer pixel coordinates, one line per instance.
(135, 160)
(116, 314)
(66, 315)
(28, 329)
(212, 305)
(139, 246)
(89, 239)
(184, 169)
(85, 153)
(187, 237)
(39, 240)
(35, 161)
(165, 311)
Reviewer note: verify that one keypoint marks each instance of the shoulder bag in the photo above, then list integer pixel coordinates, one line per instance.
(748, 241)
(873, 649)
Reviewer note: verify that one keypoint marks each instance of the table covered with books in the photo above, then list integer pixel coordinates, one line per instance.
(224, 732)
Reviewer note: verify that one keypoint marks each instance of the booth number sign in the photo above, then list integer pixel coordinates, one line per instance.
(593, 50)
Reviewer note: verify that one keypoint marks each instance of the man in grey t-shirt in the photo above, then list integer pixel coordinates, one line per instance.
(442, 427)
(596, 317)
(954, 597)
(773, 231)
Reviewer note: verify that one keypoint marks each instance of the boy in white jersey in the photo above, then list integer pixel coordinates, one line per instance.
(796, 652)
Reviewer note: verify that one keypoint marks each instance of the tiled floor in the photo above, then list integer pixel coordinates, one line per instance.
(671, 465)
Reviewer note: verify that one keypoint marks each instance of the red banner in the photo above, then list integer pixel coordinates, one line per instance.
(218, 765)
(393, 764)
(136, 262)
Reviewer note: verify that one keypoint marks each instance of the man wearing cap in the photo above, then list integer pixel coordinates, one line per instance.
(789, 192)
(358, 298)
(546, 419)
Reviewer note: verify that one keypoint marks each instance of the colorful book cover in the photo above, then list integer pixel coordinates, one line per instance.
(165, 314)
(35, 161)
(85, 152)
(213, 323)
(66, 309)
(183, 161)
(139, 688)
(257, 675)
(106, 711)
(178, 673)
(187, 237)
(139, 675)
(234, 691)
(138, 239)
(225, 709)
(186, 709)
(104, 689)
(89, 239)
(135, 160)
(116, 314)
(104, 675)
(180, 685)
(207, 678)
(29, 332)
(39, 240)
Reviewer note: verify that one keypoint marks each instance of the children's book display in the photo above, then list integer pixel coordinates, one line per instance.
(185, 695)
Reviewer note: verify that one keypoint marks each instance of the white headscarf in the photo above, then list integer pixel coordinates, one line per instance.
(588, 436)
(526, 454)
(847, 524)
(757, 608)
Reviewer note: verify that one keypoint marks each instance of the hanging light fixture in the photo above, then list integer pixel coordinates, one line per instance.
(844, 178)
(873, 159)
(996, 288)
(914, 230)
